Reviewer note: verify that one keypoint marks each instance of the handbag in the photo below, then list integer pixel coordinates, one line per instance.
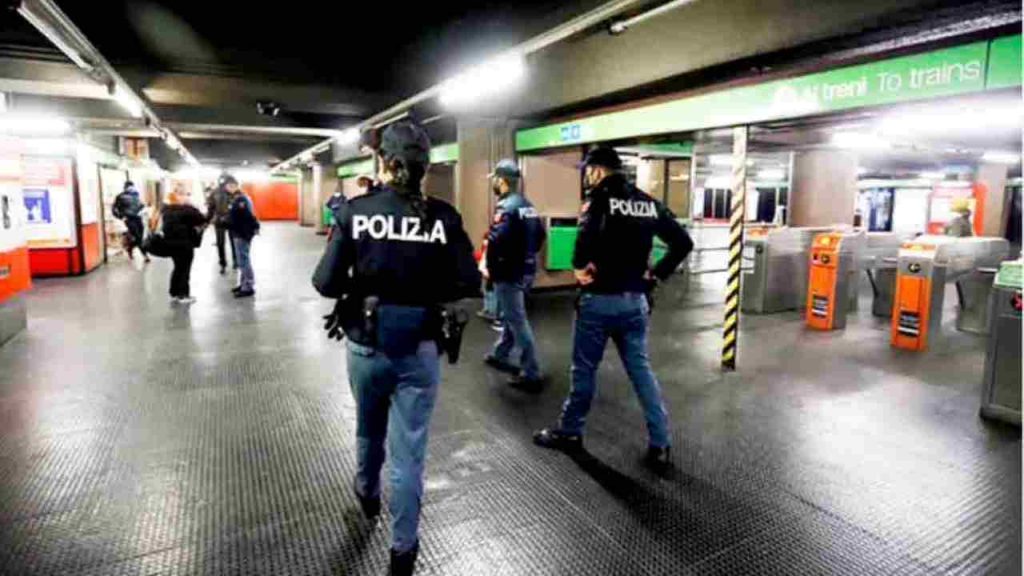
(155, 243)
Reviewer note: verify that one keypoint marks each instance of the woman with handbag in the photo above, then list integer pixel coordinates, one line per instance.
(181, 225)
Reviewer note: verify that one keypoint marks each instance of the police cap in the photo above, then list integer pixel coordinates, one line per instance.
(603, 156)
(506, 169)
(406, 141)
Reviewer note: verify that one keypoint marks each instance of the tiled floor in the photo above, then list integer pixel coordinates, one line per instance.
(141, 438)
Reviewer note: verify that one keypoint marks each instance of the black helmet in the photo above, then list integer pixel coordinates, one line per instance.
(407, 141)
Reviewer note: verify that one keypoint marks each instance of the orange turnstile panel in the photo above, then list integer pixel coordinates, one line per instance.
(911, 312)
(821, 285)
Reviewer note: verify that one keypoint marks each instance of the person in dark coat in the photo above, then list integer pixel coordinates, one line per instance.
(128, 207)
(182, 226)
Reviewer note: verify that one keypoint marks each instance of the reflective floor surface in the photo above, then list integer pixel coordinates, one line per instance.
(141, 438)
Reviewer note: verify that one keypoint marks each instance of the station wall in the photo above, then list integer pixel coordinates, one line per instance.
(274, 200)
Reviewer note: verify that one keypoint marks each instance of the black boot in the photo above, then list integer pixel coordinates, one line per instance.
(403, 563)
(528, 385)
(369, 506)
(659, 459)
(551, 438)
(501, 365)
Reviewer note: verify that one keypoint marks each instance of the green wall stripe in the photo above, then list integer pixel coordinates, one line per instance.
(946, 72)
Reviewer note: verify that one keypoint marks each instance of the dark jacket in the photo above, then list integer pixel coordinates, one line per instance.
(127, 205)
(218, 204)
(182, 225)
(241, 221)
(403, 251)
(616, 234)
(515, 237)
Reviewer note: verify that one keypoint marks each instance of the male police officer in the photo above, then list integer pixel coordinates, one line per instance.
(513, 240)
(394, 258)
(616, 232)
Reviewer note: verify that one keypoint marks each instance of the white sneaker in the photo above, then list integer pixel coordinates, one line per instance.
(187, 300)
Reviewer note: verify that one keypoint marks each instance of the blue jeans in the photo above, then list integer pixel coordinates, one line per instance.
(491, 303)
(246, 279)
(395, 399)
(515, 327)
(623, 318)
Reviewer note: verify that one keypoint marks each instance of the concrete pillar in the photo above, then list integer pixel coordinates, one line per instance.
(993, 177)
(328, 185)
(824, 188)
(307, 194)
(482, 143)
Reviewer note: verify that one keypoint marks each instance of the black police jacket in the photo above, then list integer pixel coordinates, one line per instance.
(616, 234)
(513, 240)
(405, 251)
(241, 219)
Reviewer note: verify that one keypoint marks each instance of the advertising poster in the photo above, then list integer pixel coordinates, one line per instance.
(48, 200)
(12, 217)
(89, 191)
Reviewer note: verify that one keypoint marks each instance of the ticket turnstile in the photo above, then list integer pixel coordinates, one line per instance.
(879, 264)
(923, 268)
(1001, 387)
(778, 279)
(832, 278)
(972, 291)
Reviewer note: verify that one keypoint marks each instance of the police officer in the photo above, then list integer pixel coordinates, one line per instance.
(611, 262)
(513, 241)
(394, 258)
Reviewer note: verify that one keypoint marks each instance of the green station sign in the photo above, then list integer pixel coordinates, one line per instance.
(1009, 276)
(1004, 63)
(947, 72)
(355, 168)
(444, 153)
(440, 154)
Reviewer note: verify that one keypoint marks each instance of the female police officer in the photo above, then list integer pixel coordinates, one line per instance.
(393, 259)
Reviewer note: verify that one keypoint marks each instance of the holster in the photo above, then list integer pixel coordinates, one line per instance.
(453, 322)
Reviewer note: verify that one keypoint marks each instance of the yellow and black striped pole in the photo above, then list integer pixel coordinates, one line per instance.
(730, 335)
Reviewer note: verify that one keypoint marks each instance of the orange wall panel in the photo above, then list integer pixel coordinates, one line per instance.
(53, 261)
(17, 276)
(274, 200)
(92, 245)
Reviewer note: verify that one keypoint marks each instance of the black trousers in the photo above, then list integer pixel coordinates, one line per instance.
(135, 230)
(222, 231)
(182, 258)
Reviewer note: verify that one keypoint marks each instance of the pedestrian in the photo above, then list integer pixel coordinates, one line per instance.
(182, 227)
(218, 204)
(243, 226)
(489, 311)
(515, 236)
(960, 226)
(129, 208)
(611, 263)
(394, 260)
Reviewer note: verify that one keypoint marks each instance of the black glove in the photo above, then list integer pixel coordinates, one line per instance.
(332, 322)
